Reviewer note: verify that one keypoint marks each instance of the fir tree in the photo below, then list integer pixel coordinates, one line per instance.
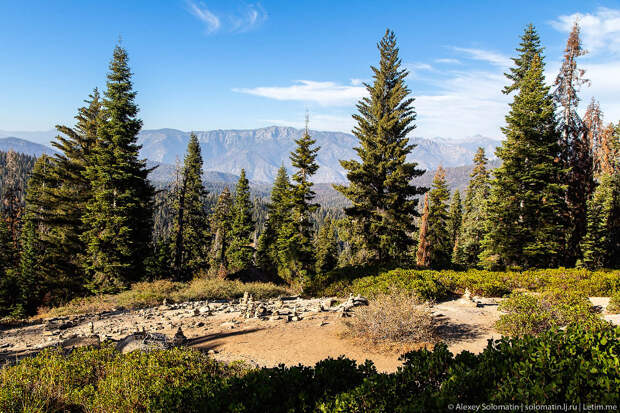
(326, 245)
(240, 253)
(191, 222)
(302, 195)
(475, 218)
(601, 245)
(269, 248)
(455, 218)
(57, 196)
(11, 203)
(528, 48)
(119, 215)
(607, 152)
(575, 152)
(380, 189)
(527, 199)
(423, 253)
(7, 279)
(221, 223)
(438, 234)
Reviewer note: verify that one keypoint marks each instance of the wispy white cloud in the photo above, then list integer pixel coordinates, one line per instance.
(323, 93)
(252, 16)
(448, 61)
(245, 19)
(496, 59)
(600, 30)
(210, 20)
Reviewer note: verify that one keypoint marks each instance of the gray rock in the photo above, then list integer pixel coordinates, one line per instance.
(143, 342)
(80, 341)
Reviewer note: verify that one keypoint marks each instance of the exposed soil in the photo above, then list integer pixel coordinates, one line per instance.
(303, 333)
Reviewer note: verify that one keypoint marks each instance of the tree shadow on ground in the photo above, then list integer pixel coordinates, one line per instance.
(209, 341)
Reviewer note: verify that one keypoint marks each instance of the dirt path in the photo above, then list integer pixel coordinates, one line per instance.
(304, 334)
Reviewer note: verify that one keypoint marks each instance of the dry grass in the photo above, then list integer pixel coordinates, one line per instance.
(393, 320)
(149, 294)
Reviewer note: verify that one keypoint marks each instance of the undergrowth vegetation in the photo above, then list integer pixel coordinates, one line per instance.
(146, 294)
(430, 284)
(573, 366)
(393, 318)
(534, 313)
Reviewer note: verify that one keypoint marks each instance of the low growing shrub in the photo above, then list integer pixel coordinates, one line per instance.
(576, 366)
(396, 317)
(533, 314)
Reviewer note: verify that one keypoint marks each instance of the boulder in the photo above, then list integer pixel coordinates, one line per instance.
(143, 342)
(80, 341)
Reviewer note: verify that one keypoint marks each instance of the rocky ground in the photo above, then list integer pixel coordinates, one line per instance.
(288, 330)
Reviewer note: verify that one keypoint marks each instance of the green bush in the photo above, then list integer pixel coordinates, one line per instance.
(578, 365)
(439, 284)
(533, 314)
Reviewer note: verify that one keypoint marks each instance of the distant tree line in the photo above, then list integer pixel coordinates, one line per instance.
(89, 221)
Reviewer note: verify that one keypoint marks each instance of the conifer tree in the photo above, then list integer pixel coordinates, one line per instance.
(607, 152)
(190, 216)
(7, 279)
(475, 218)
(11, 203)
(270, 245)
(528, 48)
(57, 196)
(119, 214)
(423, 253)
(240, 253)
(527, 198)
(326, 245)
(575, 152)
(438, 234)
(384, 200)
(221, 224)
(601, 244)
(302, 195)
(455, 218)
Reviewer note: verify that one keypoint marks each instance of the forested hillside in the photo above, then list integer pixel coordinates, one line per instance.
(95, 217)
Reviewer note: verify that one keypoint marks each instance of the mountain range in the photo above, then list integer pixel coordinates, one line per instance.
(262, 151)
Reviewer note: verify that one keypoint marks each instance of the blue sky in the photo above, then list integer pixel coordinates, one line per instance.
(233, 64)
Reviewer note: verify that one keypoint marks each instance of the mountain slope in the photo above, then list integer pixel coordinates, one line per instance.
(24, 146)
(262, 151)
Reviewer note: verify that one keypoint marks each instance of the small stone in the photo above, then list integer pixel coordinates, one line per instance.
(295, 318)
(212, 351)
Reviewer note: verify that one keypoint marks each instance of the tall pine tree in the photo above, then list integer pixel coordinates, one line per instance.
(221, 224)
(575, 151)
(475, 218)
(191, 236)
(384, 200)
(455, 218)
(528, 48)
(240, 252)
(119, 216)
(527, 198)
(438, 234)
(302, 196)
(423, 253)
(270, 245)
